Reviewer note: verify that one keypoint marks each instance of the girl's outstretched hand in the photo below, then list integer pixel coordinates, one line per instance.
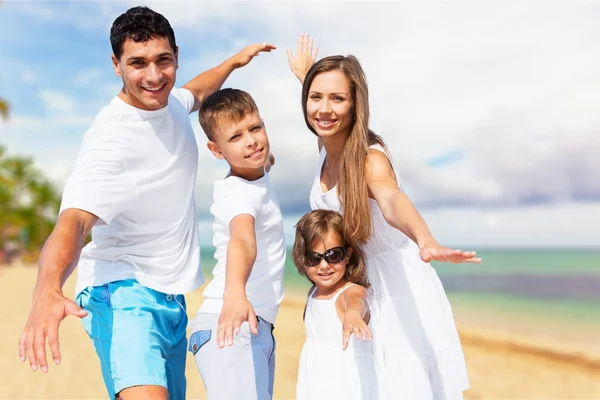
(436, 252)
(304, 58)
(354, 324)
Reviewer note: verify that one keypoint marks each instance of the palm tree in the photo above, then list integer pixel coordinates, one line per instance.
(28, 203)
(4, 109)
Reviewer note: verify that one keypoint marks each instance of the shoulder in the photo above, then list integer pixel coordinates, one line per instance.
(238, 189)
(378, 164)
(356, 290)
(184, 97)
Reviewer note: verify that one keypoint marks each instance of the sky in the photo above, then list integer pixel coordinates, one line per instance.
(490, 109)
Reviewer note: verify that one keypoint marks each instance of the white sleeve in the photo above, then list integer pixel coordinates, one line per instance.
(99, 182)
(237, 200)
(185, 97)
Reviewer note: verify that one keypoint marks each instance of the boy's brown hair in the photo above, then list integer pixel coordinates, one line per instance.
(314, 227)
(223, 106)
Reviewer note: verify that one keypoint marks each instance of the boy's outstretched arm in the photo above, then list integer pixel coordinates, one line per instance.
(356, 315)
(210, 81)
(241, 254)
(399, 212)
(49, 307)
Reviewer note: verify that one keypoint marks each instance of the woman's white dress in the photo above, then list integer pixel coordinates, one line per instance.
(326, 372)
(416, 346)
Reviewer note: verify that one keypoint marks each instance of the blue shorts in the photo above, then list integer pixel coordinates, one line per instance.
(139, 336)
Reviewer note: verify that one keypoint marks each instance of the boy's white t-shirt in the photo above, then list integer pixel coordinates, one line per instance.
(235, 196)
(136, 171)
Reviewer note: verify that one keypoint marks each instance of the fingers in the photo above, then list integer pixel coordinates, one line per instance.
(53, 343)
(316, 52)
(221, 327)
(71, 308)
(289, 54)
(22, 350)
(346, 338)
(39, 347)
(253, 321)
(368, 333)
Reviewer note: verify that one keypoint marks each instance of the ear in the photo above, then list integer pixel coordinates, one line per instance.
(115, 63)
(212, 146)
(176, 57)
(349, 253)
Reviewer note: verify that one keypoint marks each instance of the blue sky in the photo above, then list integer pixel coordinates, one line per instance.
(489, 108)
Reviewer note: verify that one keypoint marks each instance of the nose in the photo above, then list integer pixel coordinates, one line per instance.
(323, 264)
(250, 141)
(324, 107)
(154, 74)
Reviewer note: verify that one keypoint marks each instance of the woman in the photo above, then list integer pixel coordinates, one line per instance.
(417, 348)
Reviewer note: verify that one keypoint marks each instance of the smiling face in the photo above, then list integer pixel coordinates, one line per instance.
(244, 144)
(148, 70)
(329, 104)
(328, 276)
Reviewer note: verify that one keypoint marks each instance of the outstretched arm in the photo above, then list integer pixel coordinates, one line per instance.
(399, 212)
(305, 56)
(356, 315)
(241, 254)
(210, 81)
(57, 261)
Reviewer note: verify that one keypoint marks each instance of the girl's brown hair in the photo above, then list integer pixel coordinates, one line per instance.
(313, 228)
(352, 183)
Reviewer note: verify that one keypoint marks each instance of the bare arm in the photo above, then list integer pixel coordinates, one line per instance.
(241, 254)
(400, 213)
(57, 261)
(356, 314)
(210, 81)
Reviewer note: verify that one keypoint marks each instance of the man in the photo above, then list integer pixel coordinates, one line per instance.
(132, 186)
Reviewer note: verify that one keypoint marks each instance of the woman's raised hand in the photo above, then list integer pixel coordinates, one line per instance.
(305, 56)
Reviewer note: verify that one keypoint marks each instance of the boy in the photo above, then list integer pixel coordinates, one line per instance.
(232, 338)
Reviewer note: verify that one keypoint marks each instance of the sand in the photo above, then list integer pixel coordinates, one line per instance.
(501, 365)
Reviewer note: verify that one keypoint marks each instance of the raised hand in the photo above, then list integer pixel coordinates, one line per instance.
(48, 310)
(436, 252)
(235, 311)
(305, 56)
(242, 58)
(354, 324)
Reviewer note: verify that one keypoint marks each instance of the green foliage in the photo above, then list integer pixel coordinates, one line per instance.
(28, 202)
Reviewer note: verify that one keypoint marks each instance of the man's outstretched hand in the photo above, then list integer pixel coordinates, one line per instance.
(49, 308)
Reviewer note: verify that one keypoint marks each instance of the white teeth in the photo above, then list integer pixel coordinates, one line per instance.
(328, 122)
(153, 89)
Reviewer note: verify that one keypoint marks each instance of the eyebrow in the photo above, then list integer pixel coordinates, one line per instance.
(317, 92)
(143, 58)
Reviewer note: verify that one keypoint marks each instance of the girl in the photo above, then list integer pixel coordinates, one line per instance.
(416, 346)
(332, 365)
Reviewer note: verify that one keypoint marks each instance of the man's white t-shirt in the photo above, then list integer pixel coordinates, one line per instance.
(136, 171)
(235, 196)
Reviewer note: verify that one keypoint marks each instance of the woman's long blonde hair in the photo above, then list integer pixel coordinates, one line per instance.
(351, 183)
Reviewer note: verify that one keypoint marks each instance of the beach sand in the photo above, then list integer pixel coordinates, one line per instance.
(502, 364)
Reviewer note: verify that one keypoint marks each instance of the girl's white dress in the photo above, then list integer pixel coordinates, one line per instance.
(326, 372)
(417, 349)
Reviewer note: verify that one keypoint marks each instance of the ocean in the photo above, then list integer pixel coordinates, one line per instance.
(563, 284)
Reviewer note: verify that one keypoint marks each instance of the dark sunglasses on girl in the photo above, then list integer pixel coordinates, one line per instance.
(332, 256)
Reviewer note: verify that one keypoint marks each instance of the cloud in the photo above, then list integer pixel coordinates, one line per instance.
(57, 102)
(483, 104)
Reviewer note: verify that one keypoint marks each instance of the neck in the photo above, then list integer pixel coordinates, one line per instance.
(249, 174)
(334, 146)
(331, 290)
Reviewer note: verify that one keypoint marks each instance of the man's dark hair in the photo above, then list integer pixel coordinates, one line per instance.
(139, 24)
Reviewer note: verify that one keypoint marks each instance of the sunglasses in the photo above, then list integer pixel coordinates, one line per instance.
(332, 256)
